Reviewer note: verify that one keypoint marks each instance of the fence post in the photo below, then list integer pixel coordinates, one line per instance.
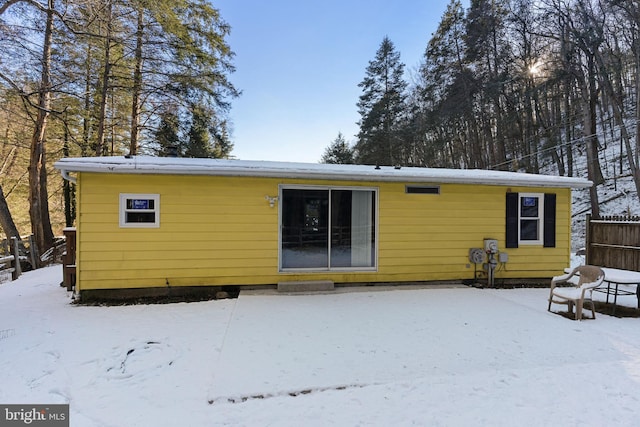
(15, 249)
(33, 252)
(587, 248)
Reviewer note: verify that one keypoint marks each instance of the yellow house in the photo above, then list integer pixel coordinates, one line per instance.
(159, 224)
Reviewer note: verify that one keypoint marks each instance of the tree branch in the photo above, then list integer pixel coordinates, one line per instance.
(25, 96)
(10, 3)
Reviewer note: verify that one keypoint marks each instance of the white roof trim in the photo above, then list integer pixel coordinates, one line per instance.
(223, 167)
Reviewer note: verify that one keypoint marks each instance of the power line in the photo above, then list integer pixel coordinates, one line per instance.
(564, 144)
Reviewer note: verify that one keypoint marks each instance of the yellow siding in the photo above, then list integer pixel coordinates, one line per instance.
(222, 231)
(430, 235)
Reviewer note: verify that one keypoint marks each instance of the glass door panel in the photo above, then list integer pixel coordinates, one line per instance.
(352, 228)
(305, 222)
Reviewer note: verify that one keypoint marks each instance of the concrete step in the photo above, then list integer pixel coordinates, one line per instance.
(306, 286)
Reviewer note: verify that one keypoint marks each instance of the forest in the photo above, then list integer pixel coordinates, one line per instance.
(99, 78)
(519, 85)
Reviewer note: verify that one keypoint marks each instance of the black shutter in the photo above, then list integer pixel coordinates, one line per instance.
(549, 221)
(512, 221)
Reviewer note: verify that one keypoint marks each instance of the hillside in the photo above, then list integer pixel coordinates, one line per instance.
(617, 196)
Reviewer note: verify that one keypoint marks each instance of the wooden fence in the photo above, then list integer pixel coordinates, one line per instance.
(613, 242)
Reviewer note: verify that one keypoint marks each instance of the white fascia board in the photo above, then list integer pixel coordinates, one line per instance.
(268, 169)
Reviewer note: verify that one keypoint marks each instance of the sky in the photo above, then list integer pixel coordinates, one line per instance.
(298, 65)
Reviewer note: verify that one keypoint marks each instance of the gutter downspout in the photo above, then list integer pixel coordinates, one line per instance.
(76, 290)
(65, 175)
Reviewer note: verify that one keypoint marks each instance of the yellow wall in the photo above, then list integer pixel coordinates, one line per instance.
(222, 231)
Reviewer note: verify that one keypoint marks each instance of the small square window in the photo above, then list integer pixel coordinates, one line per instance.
(139, 210)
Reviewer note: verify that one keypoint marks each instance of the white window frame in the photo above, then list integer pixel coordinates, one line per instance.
(539, 218)
(123, 210)
(372, 268)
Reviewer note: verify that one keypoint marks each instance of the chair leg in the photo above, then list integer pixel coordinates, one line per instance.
(570, 307)
(593, 309)
(579, 310)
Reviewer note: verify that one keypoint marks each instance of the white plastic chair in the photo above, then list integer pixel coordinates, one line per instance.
(588, 277)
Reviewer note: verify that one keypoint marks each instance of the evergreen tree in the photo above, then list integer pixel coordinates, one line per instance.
(222, 145)
(339, 152)
(182, 58)
(198, 137)
(381, 107)
(167, 134)
(206, 137)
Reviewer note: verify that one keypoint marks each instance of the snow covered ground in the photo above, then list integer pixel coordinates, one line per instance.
(435, 357)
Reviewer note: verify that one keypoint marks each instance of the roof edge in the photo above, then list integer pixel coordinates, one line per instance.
(269, 169)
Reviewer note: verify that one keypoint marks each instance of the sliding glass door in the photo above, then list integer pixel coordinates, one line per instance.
(327, 228)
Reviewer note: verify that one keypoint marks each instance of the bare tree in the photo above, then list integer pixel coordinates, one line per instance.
(38, 192)
(6, 220)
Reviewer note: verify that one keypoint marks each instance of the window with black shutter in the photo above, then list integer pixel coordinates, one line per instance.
(530, 219)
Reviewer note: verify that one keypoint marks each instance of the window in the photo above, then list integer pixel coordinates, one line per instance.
(530, 219)
(531, 224)
(327, 228)
(139, 210)
(414, 189)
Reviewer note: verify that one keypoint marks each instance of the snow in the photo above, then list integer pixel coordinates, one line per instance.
(363, 356)
(224, 167)
(616, 275)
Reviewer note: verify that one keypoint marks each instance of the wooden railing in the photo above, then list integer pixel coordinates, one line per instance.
(17, 256)
(10, 259)
(69, 259)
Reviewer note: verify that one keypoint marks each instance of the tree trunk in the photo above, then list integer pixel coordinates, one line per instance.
(568, 134)
(6, 220)
(591, 161)
(592, 141)
(636, 47)
(137, 86)
(86, 120)
(529, 136)
(68, 188)
(38, 194)
(104, 87)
